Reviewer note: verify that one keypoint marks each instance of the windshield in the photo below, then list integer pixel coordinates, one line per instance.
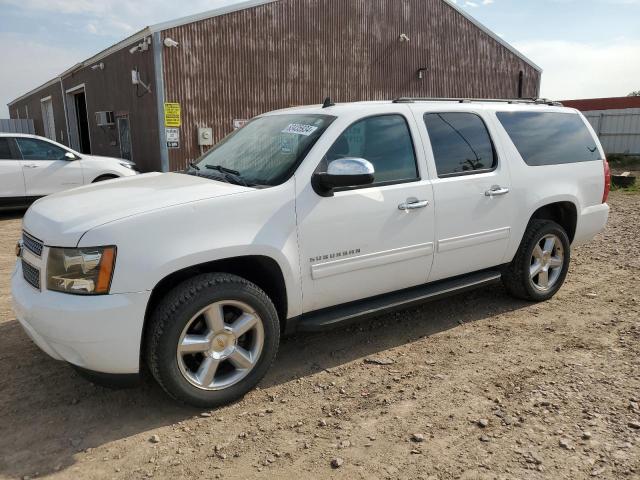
(264, 152)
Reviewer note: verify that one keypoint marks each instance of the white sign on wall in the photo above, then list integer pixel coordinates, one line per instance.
(173, 137)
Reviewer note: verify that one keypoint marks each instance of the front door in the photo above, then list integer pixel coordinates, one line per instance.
(46, 169)
(124, 135)
(363, 242)
(12, 190)
(471, 185)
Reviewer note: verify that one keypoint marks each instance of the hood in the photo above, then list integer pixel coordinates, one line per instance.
(61, 219)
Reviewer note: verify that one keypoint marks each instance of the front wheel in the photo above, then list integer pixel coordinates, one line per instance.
(541, 264)
(212, 339)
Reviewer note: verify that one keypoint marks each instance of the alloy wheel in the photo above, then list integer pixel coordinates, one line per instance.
(547, 262)
(220, 345)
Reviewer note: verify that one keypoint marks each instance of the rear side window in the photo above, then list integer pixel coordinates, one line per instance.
(385, 141)
(549, 138)
(5, 149)
(461, 144)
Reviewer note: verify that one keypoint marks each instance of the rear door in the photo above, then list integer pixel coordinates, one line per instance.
(46, 168)
(474, 212)
(12, 188)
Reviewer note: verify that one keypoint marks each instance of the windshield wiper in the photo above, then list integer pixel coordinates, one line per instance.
(222, 169)
(195, 167)
(229, 175)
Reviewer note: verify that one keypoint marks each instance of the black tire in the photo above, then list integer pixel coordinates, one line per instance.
(516, 276)
(172, 315)
(103, 178)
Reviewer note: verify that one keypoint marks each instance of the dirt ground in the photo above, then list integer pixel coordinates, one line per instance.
(478, 386)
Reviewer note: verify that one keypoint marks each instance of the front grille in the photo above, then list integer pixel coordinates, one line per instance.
(32, 244)
(31, 274)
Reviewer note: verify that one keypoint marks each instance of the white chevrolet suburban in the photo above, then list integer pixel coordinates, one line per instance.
(304, 219)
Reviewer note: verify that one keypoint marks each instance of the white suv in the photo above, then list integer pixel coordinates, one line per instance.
(32, 167)
(304, 219)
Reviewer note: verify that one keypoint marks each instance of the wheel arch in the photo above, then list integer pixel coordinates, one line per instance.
(564, 213)
(105, 176)
(261, 270)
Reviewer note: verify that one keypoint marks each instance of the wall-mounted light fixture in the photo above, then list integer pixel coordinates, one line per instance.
(170, 42)
(404, 38)
(98, 66)
(421, 72)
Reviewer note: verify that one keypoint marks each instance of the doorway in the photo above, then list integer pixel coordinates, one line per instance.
(79, 135)
(48, 121)
(124, 137)
(83, 122)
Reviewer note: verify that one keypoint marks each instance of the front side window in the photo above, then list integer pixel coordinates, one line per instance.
(550, 138)
(265, 152)
(385, 141)
(461, 143)
(33, 149)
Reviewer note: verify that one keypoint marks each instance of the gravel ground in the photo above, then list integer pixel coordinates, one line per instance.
(478, 386)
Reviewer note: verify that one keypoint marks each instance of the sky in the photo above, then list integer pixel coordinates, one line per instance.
(587, 48)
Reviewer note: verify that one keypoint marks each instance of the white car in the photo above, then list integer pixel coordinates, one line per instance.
(32, 167)
(304, 219)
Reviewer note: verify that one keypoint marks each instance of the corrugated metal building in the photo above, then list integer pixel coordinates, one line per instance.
(615, 120)
(146, 97)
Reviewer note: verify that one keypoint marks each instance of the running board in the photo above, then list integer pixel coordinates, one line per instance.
(336, 316)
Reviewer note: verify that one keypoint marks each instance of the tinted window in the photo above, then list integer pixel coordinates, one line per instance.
(385, 141)
(33, 149)
(5, 149)
(550, 138)
(461, 143)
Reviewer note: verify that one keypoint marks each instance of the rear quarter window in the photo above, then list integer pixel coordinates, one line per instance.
(550, 138)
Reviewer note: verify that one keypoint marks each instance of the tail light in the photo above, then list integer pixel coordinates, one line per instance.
(607, 181)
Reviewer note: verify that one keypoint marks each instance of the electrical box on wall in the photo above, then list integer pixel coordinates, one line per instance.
(205, 137)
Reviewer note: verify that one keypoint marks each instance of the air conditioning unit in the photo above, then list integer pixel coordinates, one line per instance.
(105, 119)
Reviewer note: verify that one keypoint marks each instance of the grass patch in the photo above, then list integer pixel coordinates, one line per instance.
(631, 190)
(623, 161)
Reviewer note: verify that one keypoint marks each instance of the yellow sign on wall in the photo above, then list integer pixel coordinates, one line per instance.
(172, 115)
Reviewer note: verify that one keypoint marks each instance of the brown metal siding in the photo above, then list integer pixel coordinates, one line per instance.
(33, 103)
(295, 52)
(111, 89)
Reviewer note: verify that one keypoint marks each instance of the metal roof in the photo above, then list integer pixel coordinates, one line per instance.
(614, 103)
(231, 8)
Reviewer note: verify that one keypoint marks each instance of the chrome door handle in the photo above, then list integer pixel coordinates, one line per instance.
(496, 191)
(413, 205)
(31, 166)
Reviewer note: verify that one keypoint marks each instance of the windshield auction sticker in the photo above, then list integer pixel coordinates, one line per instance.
(300, 129)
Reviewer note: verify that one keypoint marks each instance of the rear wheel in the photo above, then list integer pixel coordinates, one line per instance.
(540, 266)
(212, 339)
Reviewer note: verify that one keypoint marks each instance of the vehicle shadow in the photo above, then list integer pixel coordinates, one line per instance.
(48, 413)
(12, 214)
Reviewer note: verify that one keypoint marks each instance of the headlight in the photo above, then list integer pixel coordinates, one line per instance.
(81, 271)
(128, 165)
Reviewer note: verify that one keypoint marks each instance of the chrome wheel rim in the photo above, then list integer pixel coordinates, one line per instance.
(220, 345)
(547, 261)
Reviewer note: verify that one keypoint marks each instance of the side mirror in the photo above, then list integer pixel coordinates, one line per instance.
(70, 156)
(345, 172)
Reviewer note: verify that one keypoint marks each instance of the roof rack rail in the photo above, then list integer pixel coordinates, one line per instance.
(532, 101)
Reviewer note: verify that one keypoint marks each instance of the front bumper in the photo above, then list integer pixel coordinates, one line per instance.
(98, 333)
